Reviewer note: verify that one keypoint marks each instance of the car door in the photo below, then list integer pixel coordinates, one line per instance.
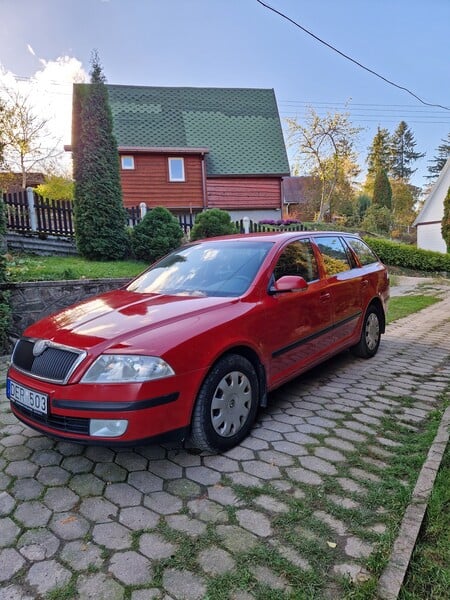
(297, 327)
(345, 282)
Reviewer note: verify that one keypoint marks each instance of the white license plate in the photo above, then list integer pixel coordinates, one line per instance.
(25, 397)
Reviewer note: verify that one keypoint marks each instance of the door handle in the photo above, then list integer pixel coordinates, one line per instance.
(364, 283)
(325, 296)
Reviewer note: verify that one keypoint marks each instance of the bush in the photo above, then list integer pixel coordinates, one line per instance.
(157, 234)
(212, 223)
(5, 311)
(409, 257)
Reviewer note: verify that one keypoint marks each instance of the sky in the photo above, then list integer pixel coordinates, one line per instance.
(47, 44)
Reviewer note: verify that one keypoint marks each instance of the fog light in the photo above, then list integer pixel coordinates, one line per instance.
(107, 427)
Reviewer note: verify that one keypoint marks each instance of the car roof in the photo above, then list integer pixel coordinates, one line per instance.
(274, 236)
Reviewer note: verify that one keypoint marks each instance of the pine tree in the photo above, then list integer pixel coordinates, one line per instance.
(403, 153)
(98, 209)
(438, 162)
(379, 156)
(382, 191)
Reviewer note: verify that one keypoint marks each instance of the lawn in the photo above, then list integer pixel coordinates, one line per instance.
(402, 306)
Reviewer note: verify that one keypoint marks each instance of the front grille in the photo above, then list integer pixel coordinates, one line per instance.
(66, 424)
(54, 363)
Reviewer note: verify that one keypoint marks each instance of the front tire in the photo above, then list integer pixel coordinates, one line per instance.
(370, 334)
(226, 405)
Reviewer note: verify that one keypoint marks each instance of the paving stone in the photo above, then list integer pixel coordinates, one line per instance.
(330, 455)
(152, 452)
(356, 548)
(208, 511)
(32, 514)
(347, 503)
(131, 568)
(53, 476)
(145, 482)
(69, 526)
(387, 442)
(98, 509)
(351, 486)
(13, 440)
(348, 434)
(82, 556)
(87, 484)
(154, 546)
(364, 475)
(240, 453)
(355, 572)
(163, 503)
(42, 442)
(261, 469)
(131, 461)
(112, 535)
(221, 463)
(289, 448)
(47, 575)
(7, 503)
(123, 494)
(77, 464)
(236, 539)
(216, 561)
(165, 469)
(301, 435)
(191, 527)
(223, 495)
(276, 425)
(22, 468)
(99, 587)
(4, 481)
(46, 458)
(267, 577)
(304, 476)
(184, 488)
(26, 489)
(11, 562)
(253, 443)
(280, 459)
(268, 435)
(99, 454)
(291, 555)
(245, 480)
(203, 475)
(356, 426)
(138, 517)
(271, 504)
(69, 449)
(336, 525)
(317, 465)
(8, 532)
(340, 444)
(254, 521)
(60, 499)
(38, 544)
(149, 594)
(184, 585)
(14, 592)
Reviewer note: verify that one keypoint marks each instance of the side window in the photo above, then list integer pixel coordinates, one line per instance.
(297, 259)
(334, 254)
(127, 162)
(362, 251)
(176, 169)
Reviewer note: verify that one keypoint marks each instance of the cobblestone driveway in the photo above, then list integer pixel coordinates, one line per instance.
(296, 507)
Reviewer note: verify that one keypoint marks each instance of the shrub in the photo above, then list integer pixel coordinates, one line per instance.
(157, 234)
(5, 311)
(409, 257)
(212, 223)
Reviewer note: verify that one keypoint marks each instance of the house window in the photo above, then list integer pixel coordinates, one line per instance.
(176, 169)
(127, 162)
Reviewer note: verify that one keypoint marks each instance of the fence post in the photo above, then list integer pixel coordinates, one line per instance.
(143, 209)
(246, 224)
(31, 209)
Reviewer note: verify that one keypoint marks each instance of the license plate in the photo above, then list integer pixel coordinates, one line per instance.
(25, 397)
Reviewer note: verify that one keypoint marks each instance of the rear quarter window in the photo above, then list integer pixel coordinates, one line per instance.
(364, 254)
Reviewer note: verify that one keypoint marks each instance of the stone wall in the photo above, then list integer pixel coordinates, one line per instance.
(31, 301)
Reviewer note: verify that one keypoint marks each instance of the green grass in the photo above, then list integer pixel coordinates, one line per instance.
(402, 306)
(54, 268)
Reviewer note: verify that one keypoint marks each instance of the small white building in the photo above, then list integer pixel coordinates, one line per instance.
(429, 221)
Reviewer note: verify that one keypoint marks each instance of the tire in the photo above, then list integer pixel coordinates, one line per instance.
(370, 334)
(226, 405)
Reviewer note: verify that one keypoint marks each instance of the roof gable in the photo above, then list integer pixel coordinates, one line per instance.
(240, 127)
(433, 208)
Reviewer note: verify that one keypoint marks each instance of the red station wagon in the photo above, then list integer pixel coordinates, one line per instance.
(192, 347)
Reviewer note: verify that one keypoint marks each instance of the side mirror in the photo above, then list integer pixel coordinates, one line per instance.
(288, 283)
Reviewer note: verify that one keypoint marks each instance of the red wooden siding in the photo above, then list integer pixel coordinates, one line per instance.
(239, 192)
(149, 182)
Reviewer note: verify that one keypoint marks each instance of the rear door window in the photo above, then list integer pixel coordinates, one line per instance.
(364, 254)
(336, 257)
(297, 259)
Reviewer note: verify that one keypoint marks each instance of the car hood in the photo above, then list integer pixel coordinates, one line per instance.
(114, 317)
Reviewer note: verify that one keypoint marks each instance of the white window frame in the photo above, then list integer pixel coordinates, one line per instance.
(123, 162)
(171, 177)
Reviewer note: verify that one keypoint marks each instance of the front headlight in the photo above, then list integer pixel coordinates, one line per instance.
(124, 368)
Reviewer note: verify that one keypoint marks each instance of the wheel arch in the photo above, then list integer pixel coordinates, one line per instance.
(376, 302)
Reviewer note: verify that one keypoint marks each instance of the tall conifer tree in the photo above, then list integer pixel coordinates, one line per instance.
(403, 153)
(438, 162)
(382, 191)
(98, 209)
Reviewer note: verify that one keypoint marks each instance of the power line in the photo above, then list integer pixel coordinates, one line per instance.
(400, 87)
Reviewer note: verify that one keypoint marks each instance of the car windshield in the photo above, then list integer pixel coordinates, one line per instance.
(221, 268)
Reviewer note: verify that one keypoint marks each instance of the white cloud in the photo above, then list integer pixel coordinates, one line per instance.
(30, 50)
(49, 91)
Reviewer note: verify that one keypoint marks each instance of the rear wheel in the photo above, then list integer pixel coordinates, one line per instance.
(226, 405)
(370, 334)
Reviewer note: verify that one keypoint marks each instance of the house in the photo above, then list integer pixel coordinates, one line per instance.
(429, 221)
(189, 149)
(300, 196)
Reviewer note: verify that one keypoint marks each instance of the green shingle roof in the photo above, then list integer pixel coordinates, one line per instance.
(241, 127)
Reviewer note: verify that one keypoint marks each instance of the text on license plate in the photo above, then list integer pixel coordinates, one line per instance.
(26, 397)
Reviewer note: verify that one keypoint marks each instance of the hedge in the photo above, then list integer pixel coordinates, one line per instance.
(409, 257)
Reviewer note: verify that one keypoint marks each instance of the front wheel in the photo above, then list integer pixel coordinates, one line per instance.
(226, 405)
(370, 335)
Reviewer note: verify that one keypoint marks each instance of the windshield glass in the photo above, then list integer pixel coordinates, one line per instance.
(204, 269)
